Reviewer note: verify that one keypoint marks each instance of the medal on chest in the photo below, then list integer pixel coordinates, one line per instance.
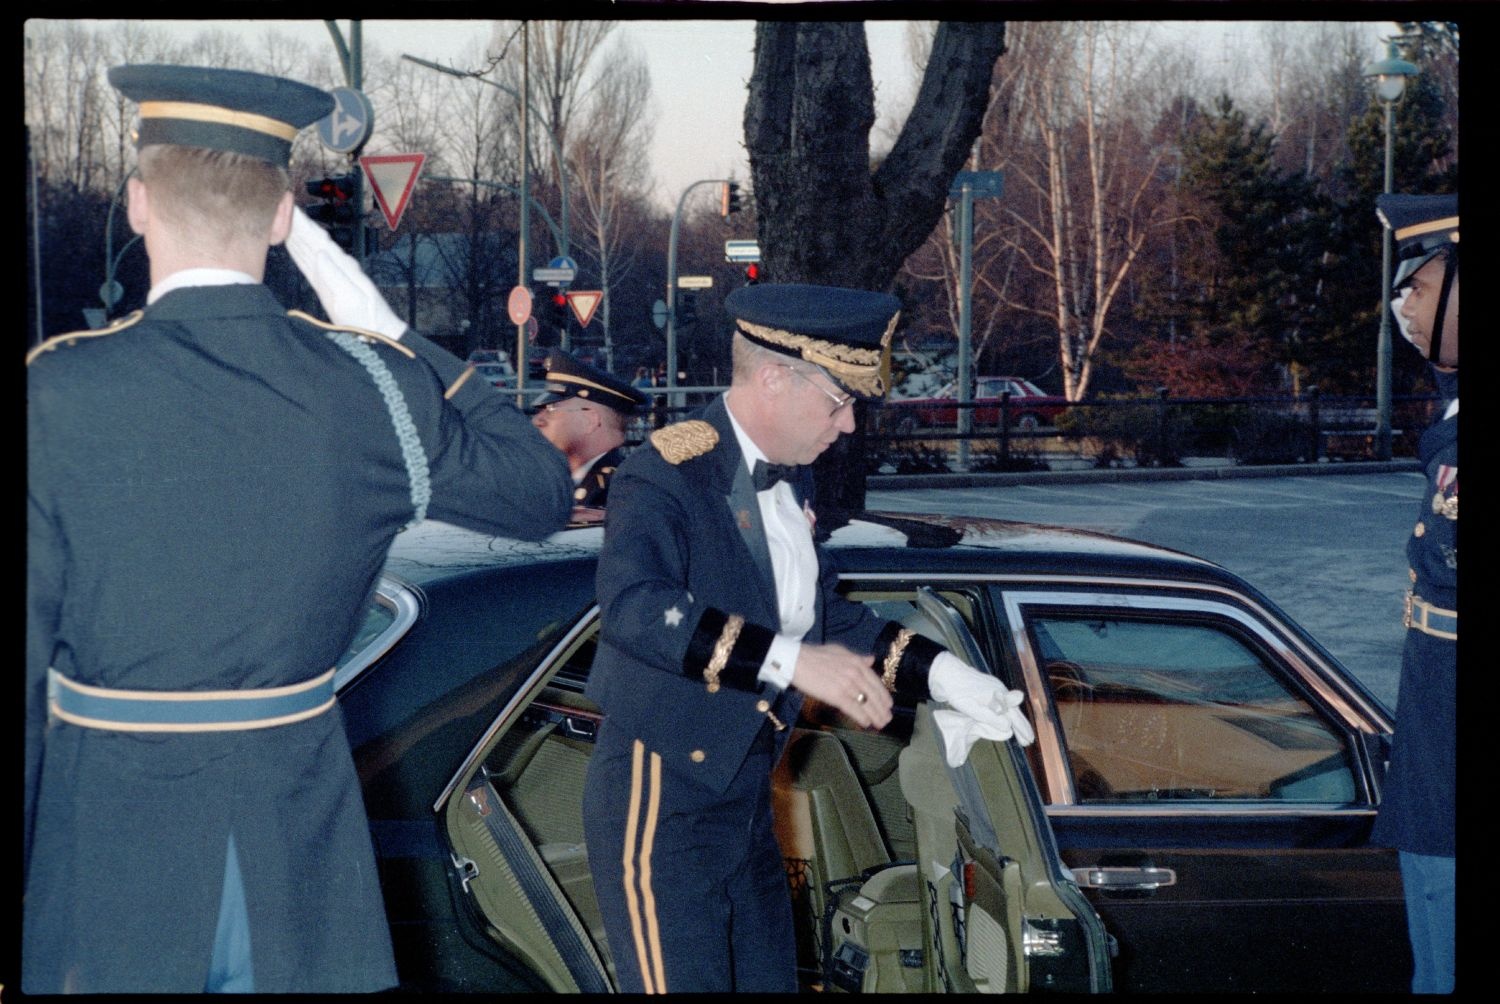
(1445, 499)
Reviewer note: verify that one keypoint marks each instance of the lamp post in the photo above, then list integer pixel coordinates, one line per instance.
(562, 174)
(1389, 75)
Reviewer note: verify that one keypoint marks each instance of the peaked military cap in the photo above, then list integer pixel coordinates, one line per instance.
(569, 377)
(1422, 227)
(843, 331)
(233, 110)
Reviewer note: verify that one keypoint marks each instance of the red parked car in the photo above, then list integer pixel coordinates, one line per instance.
(1030, 407)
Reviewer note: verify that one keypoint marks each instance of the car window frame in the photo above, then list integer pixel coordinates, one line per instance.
(405, 604)
(1310, 677)
(542, 674)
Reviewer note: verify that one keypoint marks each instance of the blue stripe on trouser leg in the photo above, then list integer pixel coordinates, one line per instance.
(229, 969)
(690, 883)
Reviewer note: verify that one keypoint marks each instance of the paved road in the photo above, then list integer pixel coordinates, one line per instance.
(1330, 549)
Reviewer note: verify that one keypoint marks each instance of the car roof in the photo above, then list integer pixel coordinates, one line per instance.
(863, 542)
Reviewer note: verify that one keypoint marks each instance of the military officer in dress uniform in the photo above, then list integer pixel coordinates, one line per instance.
(213, 485)
(1417, 814)
(584, 413)
(719, 614)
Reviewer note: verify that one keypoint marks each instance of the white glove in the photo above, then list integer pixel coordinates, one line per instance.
(982, 708)
(347, 294)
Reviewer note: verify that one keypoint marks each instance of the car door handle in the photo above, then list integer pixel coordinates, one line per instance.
(1116, 877)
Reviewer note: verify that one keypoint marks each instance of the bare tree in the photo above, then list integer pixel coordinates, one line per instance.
(65, 102)
(609, 163)
(1084, 176)
(825, 216)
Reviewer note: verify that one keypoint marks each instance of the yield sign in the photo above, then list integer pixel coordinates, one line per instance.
(392, 178)
(583, 302)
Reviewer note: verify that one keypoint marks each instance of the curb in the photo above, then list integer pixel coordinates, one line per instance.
(876, 482)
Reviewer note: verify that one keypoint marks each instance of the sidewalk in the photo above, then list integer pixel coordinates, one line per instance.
(1194, 468)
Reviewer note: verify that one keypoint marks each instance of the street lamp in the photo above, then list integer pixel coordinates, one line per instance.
(1389, 75)
(562, 173)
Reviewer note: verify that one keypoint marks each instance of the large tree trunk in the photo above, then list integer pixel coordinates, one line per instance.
(825, 216)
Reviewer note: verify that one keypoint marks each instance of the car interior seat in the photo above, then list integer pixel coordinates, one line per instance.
(864, 904)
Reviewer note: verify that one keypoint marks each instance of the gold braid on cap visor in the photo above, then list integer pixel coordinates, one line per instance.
(221, 116)
(857, 369)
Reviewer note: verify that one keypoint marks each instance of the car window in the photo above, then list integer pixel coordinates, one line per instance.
(391, 610)
(1156, 709)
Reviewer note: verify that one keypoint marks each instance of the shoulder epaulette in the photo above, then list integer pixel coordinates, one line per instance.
(684, 440)
(369, 336)
(73, 336)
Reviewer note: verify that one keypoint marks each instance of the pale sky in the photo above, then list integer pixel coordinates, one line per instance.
(699, 71)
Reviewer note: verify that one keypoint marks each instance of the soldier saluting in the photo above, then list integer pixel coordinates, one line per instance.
(213, 485)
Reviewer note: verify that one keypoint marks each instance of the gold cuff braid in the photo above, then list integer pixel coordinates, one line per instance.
(722, 648)
(893, 658)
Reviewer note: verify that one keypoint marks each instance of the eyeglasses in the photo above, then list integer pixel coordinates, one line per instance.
(556, 408)
(839, 403)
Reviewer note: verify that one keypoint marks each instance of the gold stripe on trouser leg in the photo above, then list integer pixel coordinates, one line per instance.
(648, 841)
(628, 861)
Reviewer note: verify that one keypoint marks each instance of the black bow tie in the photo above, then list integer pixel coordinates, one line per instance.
(766, 475)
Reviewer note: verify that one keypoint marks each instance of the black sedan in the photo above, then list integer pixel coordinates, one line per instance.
(1192, 817)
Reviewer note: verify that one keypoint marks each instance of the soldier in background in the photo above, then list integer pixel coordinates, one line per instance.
(1418, 810)
(585, 413)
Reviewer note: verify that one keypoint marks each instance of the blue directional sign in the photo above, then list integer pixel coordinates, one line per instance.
(350, 123)
(981, 184)
(559, 271)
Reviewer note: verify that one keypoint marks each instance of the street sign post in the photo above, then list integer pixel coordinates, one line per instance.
(968, 186)
(392, 177)
(742, 250)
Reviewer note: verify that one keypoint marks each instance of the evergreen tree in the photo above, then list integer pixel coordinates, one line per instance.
(1423, 162)
(1245, 295)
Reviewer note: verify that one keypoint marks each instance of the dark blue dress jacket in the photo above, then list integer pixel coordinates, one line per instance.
(1418, 810)
(684, 552)
(213, 485)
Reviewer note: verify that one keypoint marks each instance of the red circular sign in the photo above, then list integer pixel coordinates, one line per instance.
(519, 305)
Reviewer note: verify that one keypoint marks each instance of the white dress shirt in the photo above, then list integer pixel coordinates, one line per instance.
(794, 565)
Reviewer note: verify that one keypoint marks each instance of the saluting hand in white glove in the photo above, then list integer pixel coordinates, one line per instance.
(347, 294)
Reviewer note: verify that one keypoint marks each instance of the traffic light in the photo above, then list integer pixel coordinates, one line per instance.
(339, 211)
(551, 309)
(334, 189)
(729, 198)
(752, 273)
(687, 306)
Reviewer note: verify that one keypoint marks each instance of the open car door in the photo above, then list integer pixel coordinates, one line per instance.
(924, 878)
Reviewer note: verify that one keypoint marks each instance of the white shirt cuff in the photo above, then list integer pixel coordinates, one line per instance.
(780, 662)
